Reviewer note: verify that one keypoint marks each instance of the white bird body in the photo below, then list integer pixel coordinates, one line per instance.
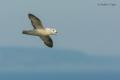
(39, 30)
(43, 32)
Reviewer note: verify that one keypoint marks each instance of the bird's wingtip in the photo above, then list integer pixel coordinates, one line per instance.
(24, 32)
(50, 46)
(30, 15)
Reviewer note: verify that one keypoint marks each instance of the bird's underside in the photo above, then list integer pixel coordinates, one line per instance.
(37, 25)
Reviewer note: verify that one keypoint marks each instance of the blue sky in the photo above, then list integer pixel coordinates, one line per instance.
(82, 25)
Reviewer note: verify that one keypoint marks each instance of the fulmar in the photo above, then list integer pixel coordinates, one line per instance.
(40, 31)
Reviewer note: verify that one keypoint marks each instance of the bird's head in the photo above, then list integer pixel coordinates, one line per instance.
(52, 31)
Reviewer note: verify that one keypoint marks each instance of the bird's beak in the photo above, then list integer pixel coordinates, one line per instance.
(56, 33)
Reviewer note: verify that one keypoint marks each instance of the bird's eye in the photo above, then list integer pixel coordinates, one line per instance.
(53, 30)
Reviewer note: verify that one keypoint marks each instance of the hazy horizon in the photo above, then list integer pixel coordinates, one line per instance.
(59, 60)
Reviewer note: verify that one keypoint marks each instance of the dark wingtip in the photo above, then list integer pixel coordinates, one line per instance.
(24, 32)
(30, 15)
(50, 46)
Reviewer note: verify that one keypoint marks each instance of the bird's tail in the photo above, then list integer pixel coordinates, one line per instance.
(28, 32)
(25, 32)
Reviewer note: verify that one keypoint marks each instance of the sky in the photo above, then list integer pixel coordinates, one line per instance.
(81, 24)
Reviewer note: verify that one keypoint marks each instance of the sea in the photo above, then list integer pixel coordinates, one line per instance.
(61, 76)
(56, 64)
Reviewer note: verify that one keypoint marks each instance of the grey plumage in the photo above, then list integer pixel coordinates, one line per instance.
(38, 26)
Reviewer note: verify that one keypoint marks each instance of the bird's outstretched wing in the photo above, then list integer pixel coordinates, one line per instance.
(36, 22)
(47, 41)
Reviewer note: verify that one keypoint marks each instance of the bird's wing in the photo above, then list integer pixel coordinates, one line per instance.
(36, 22)
(47, 41)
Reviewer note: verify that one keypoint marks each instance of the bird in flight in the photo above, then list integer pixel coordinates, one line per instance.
(40, 31)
